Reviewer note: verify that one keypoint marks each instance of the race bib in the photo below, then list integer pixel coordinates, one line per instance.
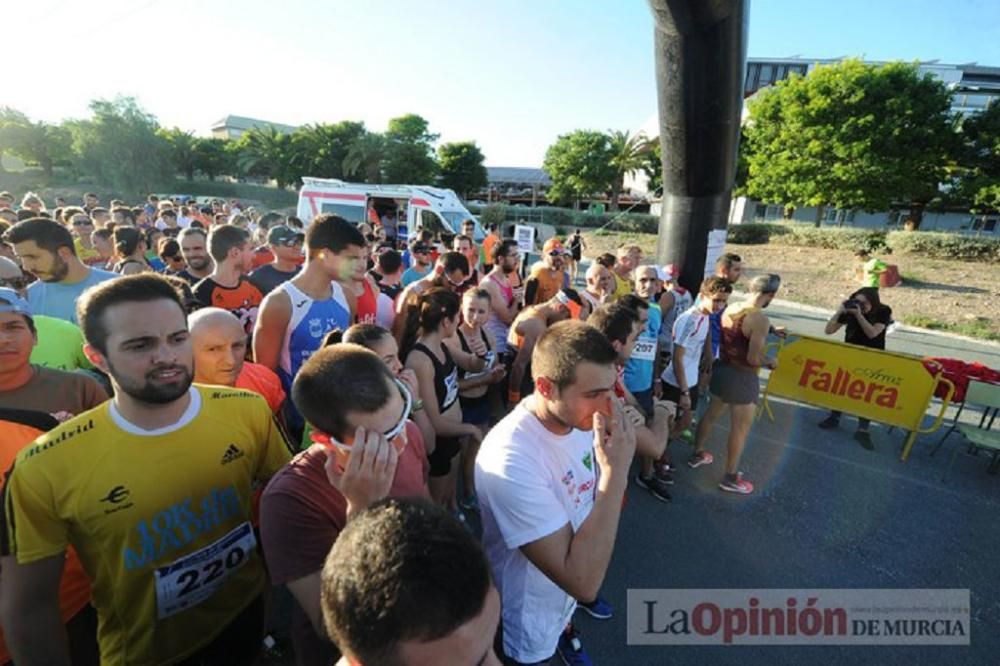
(645, 350)
(491, 360)
(195, 577)
(451, 386)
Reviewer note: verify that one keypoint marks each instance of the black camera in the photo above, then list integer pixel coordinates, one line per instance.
(852, 304)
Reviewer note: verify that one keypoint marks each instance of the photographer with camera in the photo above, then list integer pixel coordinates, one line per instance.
(866, 319)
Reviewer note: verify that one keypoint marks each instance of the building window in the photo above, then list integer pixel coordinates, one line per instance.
(766, 75)
(760, 211)
(751, 82)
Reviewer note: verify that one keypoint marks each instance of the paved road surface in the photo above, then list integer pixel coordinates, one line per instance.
(827, 514)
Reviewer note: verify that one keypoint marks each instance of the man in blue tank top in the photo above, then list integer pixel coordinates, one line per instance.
(297, 315)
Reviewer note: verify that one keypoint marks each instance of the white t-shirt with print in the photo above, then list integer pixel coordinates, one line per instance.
(690, 331)
(530, 483)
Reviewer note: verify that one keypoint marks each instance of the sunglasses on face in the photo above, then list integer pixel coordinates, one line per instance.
(15, 283)
(82, 223)
(390, 435)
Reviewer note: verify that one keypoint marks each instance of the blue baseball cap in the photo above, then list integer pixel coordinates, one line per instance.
(11, 302)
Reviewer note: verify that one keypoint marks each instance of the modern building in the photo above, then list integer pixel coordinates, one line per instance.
(974, 87)
(233, 127)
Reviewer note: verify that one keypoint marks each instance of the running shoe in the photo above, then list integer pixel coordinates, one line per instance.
(655, 486)
(570, 649)
(700, 458)
(470, 503)
(599, 609)
(739, 485)
(864, 438)
(829, 423)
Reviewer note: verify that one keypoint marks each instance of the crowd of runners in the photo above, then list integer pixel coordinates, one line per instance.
(200, 405)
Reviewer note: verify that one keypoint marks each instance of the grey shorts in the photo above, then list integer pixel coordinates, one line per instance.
(734, 385)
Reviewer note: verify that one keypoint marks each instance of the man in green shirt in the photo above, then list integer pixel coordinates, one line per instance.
(60, 343)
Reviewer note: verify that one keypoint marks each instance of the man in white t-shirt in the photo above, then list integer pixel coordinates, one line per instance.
(692, 328)
(549, 519)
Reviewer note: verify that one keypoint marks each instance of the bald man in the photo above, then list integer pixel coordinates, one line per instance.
(600, 285)
(220, 346)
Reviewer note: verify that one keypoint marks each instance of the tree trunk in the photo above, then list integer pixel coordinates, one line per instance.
(915, 217)
(189, 173)
(616, 190)
(820, 211)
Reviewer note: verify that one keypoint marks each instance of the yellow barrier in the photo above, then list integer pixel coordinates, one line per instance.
(885, 387)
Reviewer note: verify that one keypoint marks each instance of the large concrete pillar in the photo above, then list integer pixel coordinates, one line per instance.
(700, 50)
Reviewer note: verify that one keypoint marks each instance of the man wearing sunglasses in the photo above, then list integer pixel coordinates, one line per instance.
(549, 275)
(81, 226)
(420, 254)
(365, 448)
(286, 247)
(690, 346)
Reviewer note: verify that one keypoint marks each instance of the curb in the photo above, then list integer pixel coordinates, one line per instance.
(792, 305)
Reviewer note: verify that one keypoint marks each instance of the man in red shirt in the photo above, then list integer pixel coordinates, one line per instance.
(365, 448)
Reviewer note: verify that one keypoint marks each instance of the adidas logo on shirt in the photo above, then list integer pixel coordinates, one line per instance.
(232, 453)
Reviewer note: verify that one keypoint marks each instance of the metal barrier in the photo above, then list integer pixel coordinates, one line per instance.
(882, 386)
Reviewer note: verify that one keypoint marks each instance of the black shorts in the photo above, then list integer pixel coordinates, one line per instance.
(446, 448)
(672, 393)
(476, 410)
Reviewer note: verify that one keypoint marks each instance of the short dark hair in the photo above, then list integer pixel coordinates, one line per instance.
(126, 239)
(463, 237)
(334, 233)
(615, 321)
(167, 212)
(389, 262)
(727, 260)
(402, 570)
(566, 345)
(634, 301)
(337, 380)
(502, 249)
(98, 211)
(138, 288)
(168, 247)
(47, 234)
(90, 194)
(126, 213)
(454, 261)
(26, 214)
(191, 231)
(269, 219)
(223, 238)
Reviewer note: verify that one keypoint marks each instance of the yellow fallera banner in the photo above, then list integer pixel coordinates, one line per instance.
(886, 387)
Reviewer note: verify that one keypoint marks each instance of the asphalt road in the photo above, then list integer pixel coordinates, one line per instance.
(826, 514)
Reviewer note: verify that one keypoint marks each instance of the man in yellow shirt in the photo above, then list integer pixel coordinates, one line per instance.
(629, 256)
(152, 489)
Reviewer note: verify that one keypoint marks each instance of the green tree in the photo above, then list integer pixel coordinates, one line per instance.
(409, 151)
(182, 150)
(365, 158)
(119, 145)
(322, 148)
(579, 164)
(10, 120)
(40, 143)
(629, 153)
(267, 152)
(978, 160)
(211, 157)
(653, 166)
(850, 135)
(462, 167)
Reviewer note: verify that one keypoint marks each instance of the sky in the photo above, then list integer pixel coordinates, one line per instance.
(510, 75)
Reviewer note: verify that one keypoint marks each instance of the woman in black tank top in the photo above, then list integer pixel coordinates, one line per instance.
(474, 385)
(436, 318)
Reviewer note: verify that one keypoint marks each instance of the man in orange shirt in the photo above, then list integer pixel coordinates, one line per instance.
(549, 275)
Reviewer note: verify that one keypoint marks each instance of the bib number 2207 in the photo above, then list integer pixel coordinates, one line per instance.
(195, 577)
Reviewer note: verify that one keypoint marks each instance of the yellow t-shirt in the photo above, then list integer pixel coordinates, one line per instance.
(623, 286)
(160, 520)
(89, 256)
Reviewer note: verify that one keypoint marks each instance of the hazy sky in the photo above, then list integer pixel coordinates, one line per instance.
(511, 75)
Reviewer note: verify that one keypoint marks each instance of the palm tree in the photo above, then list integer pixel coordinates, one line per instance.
(629, 154)
(267, 152)
(365, 156)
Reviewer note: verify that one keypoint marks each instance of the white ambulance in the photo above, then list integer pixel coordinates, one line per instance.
(416, 206)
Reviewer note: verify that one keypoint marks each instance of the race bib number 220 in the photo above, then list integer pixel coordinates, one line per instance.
(195, 577)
